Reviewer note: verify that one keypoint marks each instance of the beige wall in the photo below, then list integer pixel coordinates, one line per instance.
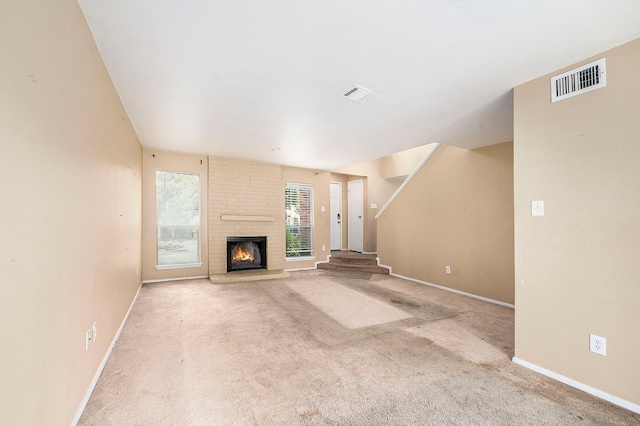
(154, 160)
(577, 267)
(246, 198)
(402, 164)
(377, 190)
(457, 210)
(70, 166)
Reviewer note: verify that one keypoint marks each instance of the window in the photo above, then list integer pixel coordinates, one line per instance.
(299, 221)
(178, 219)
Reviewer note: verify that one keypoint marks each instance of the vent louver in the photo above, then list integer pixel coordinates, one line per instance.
(360, 94)
(580, 80)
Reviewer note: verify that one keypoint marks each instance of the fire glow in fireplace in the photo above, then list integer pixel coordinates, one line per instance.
(246, 253)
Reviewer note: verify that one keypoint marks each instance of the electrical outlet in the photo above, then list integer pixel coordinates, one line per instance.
(447, 269)
(598, 345)
(95, 332)
(537, 208)
(87, 340)
(323, 248)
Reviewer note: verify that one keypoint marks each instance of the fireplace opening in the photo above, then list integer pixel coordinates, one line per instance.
(246, 253)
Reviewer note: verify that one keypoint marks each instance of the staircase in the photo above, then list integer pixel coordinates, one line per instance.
(353, 262)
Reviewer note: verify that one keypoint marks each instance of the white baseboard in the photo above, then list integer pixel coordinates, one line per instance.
(463, 293)
(94, 382)
(585, 388)
(174, 279)
(315, 265)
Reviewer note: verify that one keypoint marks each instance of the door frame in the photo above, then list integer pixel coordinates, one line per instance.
(352, 211)
(331, 208)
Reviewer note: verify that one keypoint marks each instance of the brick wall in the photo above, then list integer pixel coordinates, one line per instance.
(246, 198)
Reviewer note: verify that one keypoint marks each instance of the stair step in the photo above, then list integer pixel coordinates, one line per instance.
(338, 266)
(353, 261)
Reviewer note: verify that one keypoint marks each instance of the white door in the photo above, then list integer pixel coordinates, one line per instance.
(355, 215)
(336, 215)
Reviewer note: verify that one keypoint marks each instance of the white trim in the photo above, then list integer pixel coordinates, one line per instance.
(349, 227)
(463, 293)
(381, 265)
(311, 268)
(179, 266)
(406, 181)
(96, 376)
(585, 388)
(370, 252)
(174, 279)
(323, 261)
(291, 188)
(315, 266)
(332, 182)
(299, 258)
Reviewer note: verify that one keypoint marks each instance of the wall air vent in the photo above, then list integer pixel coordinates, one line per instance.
(360, 94)
(580, 80)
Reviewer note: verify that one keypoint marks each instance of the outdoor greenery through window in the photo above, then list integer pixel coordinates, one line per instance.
(178, 198)
(299, 222)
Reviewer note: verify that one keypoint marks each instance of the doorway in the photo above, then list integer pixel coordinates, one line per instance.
(336, 215)
(355, 208)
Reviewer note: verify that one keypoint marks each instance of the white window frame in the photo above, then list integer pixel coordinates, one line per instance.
(297, 222)
(179, 265)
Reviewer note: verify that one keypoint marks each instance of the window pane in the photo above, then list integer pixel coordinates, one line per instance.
(178, 198)
(299, 219)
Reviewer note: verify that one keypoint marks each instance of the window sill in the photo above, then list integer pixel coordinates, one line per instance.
(299, 258)
(181, 266)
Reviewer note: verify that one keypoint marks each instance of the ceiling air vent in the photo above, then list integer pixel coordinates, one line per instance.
(580, 80)
(360, 94)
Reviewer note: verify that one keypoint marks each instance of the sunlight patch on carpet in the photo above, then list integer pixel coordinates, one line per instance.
(350, 308)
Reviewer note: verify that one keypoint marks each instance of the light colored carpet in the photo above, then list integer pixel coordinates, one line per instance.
(449, 334)
(259, 353)
(359, 275)
(350, 308)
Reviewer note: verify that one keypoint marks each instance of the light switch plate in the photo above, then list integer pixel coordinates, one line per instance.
(537, 208)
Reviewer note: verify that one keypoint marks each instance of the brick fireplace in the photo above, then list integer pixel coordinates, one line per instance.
(246, 198)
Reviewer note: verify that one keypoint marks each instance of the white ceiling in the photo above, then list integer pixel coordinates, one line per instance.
(232, 77)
